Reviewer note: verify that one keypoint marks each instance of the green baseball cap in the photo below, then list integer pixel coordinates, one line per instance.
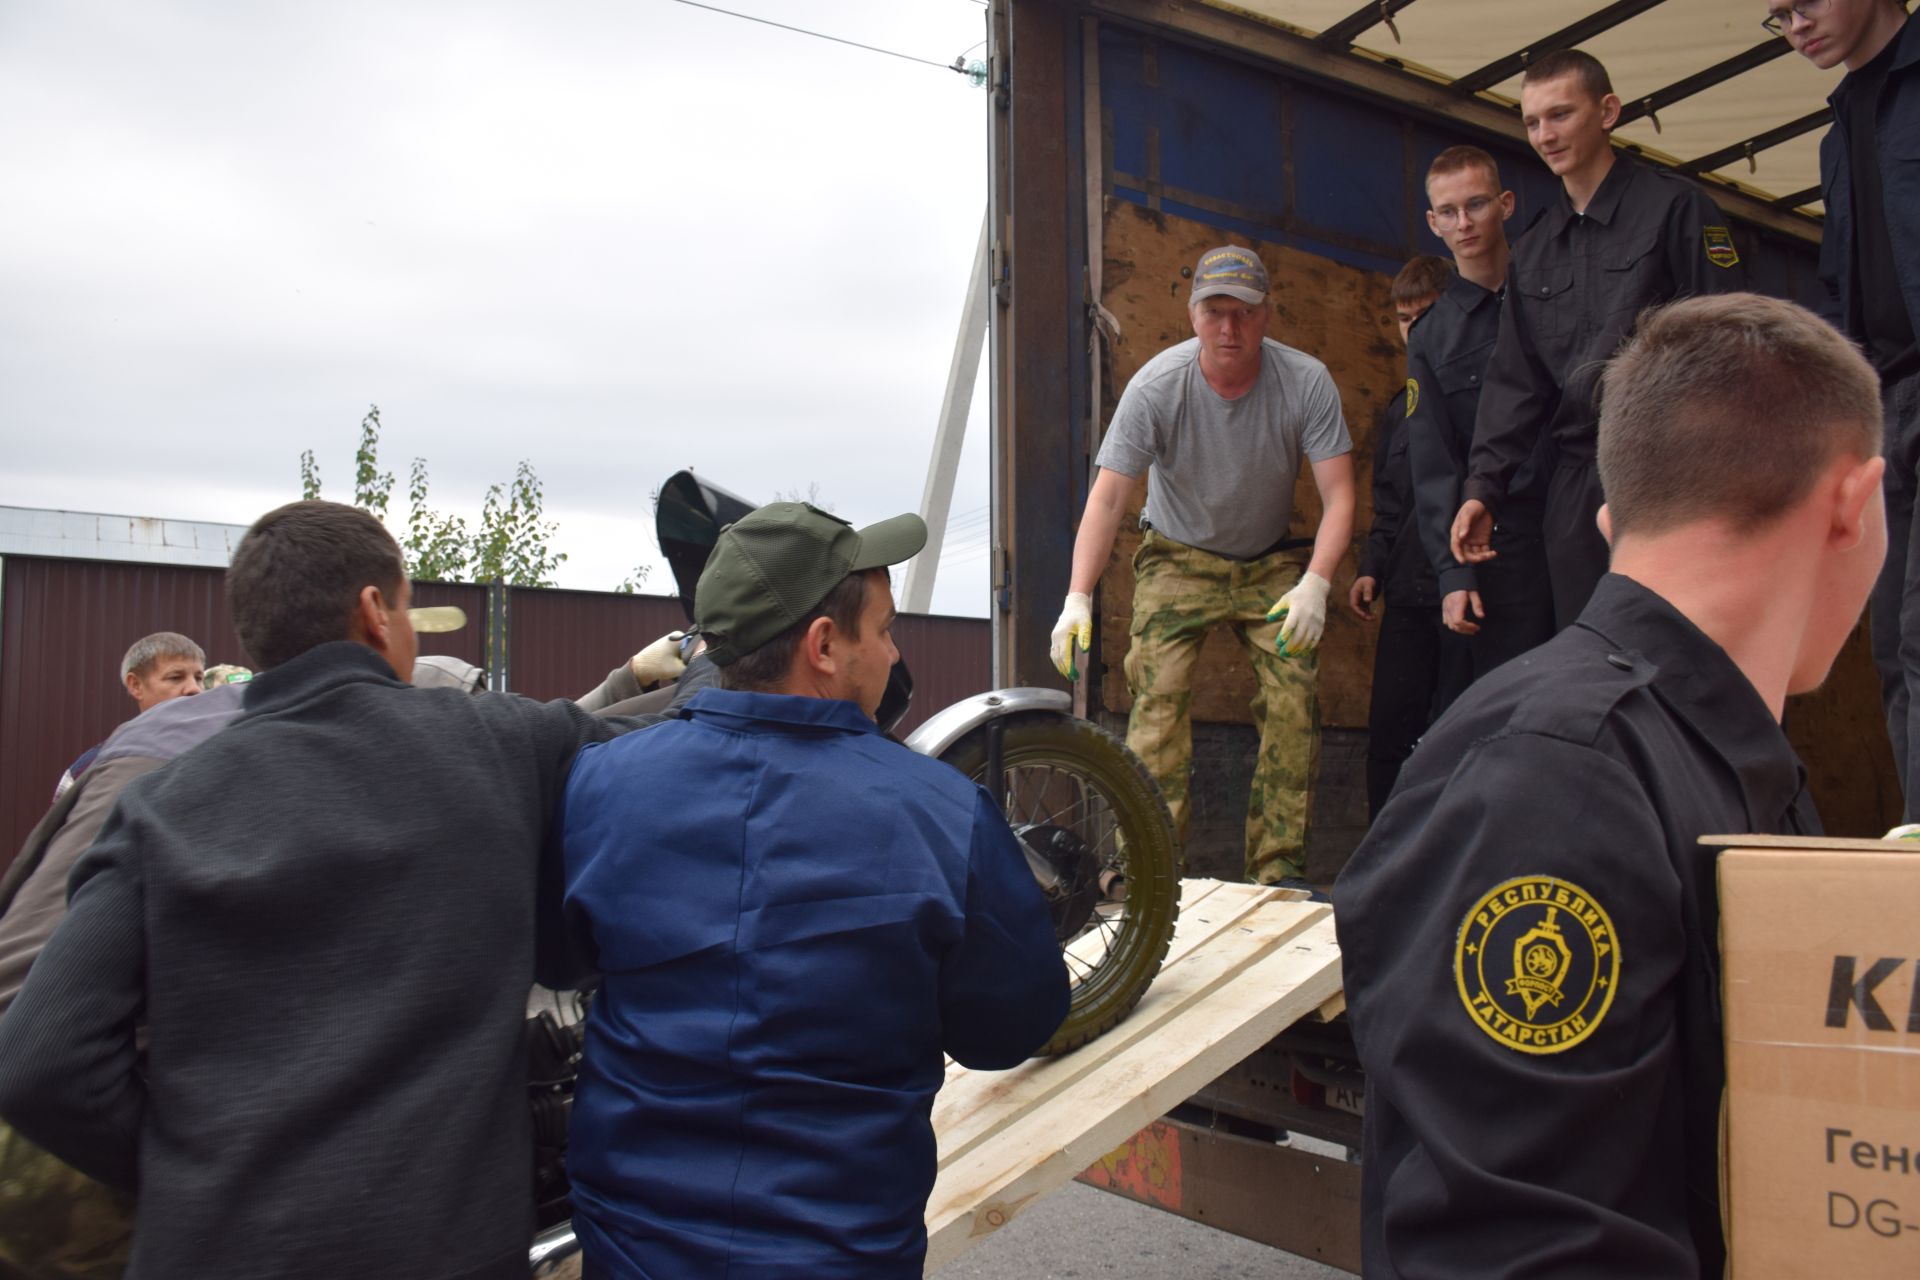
(773, 567)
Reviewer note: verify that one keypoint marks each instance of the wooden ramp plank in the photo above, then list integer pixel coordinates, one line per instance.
(1207, 907)
(1008, 1153)
(977, 1104)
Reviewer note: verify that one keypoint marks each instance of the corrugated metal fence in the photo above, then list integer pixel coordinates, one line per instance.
(65, 624)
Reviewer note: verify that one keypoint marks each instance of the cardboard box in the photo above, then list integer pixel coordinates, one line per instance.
(1820, 941)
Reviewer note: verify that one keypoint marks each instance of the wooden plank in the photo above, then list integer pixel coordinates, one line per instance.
(1043, 1149)
(1206, 908)
(975, 1106)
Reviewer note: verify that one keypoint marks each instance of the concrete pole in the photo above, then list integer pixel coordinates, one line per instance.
(936, 501)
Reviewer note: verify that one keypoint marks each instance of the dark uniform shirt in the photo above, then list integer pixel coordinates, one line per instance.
(1393, 556)
(1447, 356)
(1528, 937)
(1576, 284)
(1881, 309)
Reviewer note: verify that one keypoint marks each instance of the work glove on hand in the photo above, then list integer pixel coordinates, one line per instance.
(1305, 611)
(1075, 629)
(659, 661)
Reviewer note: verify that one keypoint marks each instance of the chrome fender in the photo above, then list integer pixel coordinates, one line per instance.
(950, 724)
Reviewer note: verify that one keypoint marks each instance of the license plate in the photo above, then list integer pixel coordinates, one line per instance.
(1351, 1101)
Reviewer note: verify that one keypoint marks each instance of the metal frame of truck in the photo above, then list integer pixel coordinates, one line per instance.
(1102, 101)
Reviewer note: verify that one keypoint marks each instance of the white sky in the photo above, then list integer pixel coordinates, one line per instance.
(614, 239)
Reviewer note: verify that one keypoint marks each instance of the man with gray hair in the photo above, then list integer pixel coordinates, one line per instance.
(1529, 931)
(1223, 425)
(157, 669)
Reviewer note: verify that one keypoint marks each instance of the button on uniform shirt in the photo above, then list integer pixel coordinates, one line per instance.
(793, 916)
(1528, 941)
(1576, 284)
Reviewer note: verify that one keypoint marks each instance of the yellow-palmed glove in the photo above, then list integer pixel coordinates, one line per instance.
(1305, 611)
(659, 661)
(1074, 630)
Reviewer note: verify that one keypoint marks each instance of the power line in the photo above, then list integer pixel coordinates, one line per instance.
(819, 35)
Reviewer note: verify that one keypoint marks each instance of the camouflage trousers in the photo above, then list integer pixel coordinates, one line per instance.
(1179, 593)
(56, 1223)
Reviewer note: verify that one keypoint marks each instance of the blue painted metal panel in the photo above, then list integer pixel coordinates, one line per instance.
(1356, 163)
(1220, 130)
(1348, 174)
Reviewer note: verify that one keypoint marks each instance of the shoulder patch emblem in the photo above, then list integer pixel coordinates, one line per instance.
(1720, 250)
(1413, 396)
(1537, 963)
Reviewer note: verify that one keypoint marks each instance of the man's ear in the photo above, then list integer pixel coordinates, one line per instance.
(1610, 112)
(1603, 520)
(372, 624)
(1433, 223)
(133, 685)
(1859, 485)
(816, 647)
(1506, 205)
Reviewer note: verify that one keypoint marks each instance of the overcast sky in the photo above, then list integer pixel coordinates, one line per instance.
(614, 239)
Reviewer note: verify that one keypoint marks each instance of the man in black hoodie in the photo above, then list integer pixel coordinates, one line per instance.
(330, 960)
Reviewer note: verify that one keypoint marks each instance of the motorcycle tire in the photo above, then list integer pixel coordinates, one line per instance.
(1068, 775)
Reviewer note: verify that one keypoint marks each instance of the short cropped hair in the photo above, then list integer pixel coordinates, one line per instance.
(1423, 277)
(297, 575)
(149, 650)
(765, 669)
(1593, 77)
(1729, 408)
(1464, 156)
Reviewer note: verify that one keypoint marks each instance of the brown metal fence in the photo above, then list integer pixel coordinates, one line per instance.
(64, 625)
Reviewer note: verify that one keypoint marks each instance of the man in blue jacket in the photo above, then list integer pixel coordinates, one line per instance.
(1870, 273)
(794, 917)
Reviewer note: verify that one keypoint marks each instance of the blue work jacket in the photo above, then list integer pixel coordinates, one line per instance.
(794, 916)
(1897, 138)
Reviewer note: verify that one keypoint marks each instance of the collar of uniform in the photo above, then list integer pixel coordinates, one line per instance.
(1606, 197)
(1697, 679)
(744, 712)
(319, 668)
(1467, 295)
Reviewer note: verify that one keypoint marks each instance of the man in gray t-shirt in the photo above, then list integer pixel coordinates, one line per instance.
(1221, 424)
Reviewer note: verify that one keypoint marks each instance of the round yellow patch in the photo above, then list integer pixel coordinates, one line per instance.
(1413, 396)
(1537, 963)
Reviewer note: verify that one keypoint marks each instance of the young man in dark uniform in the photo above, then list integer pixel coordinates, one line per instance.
(1870, 267)
(1410, 657)
(1528, 933)
(1503, 606)
(1622, 237)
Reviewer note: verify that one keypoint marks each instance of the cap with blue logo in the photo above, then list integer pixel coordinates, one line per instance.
(1230, 270)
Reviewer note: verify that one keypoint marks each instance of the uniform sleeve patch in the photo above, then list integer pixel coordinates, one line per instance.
(1537, 963)
(1720, 250)
(1413, 396)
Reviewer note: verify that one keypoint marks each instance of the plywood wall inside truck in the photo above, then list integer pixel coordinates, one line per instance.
(1341, 315)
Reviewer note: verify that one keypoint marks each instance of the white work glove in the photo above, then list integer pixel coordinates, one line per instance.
(659, 661)
(1305, 611)
(1075, 629)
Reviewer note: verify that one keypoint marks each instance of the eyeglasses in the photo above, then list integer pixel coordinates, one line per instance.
(1778, 21)
(1448, 218)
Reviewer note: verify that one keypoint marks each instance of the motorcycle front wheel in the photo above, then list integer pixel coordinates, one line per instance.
(1101, 842)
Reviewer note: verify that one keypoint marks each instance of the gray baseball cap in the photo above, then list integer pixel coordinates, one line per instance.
(1230, 270)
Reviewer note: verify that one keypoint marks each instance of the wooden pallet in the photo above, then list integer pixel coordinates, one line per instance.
(1246, 962)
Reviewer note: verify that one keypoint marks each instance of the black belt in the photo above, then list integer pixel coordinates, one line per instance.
(1285, 544)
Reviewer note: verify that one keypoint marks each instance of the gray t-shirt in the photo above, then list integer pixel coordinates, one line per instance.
(1221, 472)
